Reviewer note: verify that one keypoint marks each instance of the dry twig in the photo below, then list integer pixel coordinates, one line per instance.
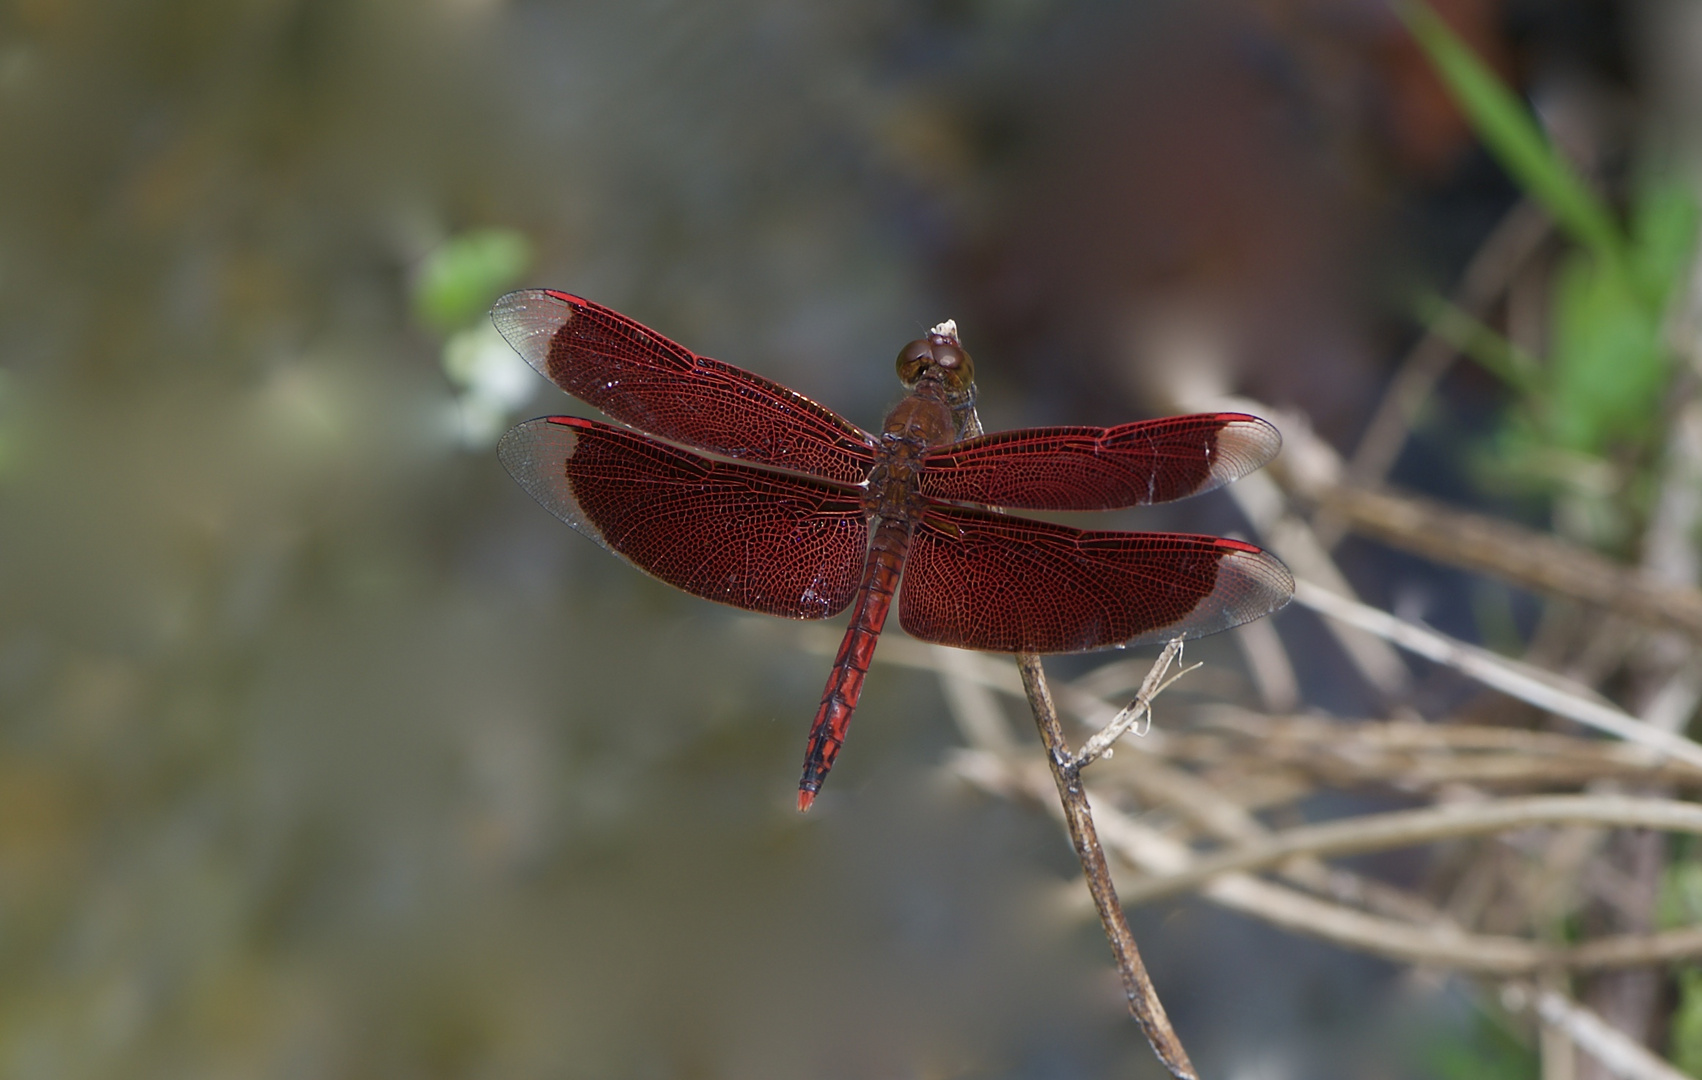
(1437, 945)
(1539, 687)
(1620, 1054)
(1379, 832)
(1524, 557)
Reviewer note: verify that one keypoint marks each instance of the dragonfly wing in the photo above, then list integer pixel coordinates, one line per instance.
(999, 583)
(737, 534)
(1093, 468)
(639, 377)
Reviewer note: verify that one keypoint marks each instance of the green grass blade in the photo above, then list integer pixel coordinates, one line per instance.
(1512, 134)
(1494, 353)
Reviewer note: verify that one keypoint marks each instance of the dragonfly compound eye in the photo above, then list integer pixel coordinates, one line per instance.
(913, 360)
(954, 362)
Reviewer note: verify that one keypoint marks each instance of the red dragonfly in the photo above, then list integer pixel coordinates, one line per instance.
(791, 510)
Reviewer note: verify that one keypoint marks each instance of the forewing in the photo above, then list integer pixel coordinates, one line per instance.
(1093, 468)
(1006, 584)
(639, 377)
(759, 540)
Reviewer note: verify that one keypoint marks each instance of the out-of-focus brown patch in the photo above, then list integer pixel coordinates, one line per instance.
(1424, 131)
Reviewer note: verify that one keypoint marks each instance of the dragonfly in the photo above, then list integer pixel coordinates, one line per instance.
(737, 489)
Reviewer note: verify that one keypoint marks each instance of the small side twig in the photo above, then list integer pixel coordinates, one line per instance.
(1137, 710)
(1144, 1004)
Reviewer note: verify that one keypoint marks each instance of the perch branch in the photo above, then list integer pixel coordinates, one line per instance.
(1144, 1004)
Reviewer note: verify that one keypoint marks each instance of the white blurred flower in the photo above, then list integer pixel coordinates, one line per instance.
(492, 379)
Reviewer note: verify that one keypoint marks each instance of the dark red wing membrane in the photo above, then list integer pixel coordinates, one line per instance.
(641, 378)
(1091, 468)
(1004, 584)
(760, 540)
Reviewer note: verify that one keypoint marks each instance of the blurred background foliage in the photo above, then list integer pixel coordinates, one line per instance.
(324, 752)
(1586, 425)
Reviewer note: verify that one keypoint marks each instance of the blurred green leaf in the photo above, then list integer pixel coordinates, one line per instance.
(1489, 1051)
(1685, 1032)
(5, 434)
(1664, 218)
(1512, 134)
(1680, 900)
(460, 279)
(1587, 422)
(1608, 367)
(1589, 419)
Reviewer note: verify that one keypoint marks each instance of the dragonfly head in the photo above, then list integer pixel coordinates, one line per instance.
(937, 356)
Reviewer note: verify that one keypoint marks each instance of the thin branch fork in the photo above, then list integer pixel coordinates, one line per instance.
(1435, 945)
(1405, 937)
(1138, 711)
(1144, 1004)
(1409, 937)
